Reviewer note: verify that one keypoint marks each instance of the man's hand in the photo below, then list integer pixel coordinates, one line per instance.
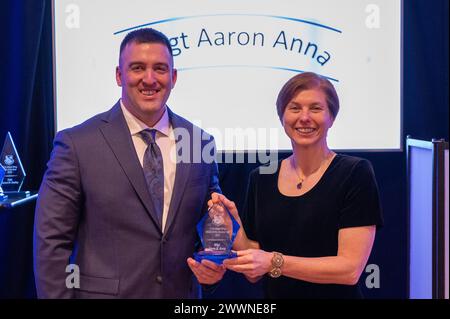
(207, 272)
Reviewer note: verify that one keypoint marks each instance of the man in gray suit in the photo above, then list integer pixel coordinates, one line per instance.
(122, 193)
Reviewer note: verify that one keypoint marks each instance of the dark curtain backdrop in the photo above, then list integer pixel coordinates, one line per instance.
(26, 111)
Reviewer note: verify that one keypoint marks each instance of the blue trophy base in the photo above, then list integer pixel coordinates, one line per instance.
(217, 258)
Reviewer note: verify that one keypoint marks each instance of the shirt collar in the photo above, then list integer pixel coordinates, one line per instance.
(136, 125)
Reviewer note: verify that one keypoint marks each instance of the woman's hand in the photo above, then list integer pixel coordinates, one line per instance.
(217, 198)
(253, 263)
(241, 241)
(207, 272)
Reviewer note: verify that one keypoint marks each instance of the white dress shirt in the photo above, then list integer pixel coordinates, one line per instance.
(165, 139)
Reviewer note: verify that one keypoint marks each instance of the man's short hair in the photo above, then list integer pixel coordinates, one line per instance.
(145, 35)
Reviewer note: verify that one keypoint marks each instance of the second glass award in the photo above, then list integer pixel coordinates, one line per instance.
(14, 172)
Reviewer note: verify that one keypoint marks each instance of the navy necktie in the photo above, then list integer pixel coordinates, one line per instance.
(154, 171)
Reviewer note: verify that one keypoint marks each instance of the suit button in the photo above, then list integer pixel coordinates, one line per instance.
(159, 279)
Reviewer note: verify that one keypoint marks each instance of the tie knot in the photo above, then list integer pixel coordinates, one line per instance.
(148, 135)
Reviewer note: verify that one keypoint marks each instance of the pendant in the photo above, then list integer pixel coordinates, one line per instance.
(299, 185)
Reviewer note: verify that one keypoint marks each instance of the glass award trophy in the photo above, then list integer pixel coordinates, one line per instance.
(217, 231)
(14, 172)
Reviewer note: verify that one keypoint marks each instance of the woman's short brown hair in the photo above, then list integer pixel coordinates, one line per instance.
(307, 81)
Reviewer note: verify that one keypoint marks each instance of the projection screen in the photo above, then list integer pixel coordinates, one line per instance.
(234, 56)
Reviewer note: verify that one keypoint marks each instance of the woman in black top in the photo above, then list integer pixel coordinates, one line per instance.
(311, 225)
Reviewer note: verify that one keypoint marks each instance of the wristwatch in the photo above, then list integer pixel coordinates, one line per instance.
(277, 262)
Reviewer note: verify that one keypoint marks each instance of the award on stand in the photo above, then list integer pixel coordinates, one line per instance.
(217, 231)
(14, 172)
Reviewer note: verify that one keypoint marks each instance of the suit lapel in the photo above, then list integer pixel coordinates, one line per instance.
(117, 134)
(181, 176)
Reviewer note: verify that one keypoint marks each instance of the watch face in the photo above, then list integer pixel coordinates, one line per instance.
(277, 261)
(275, 273)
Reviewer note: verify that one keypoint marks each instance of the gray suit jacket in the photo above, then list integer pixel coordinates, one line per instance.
(94, 208)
